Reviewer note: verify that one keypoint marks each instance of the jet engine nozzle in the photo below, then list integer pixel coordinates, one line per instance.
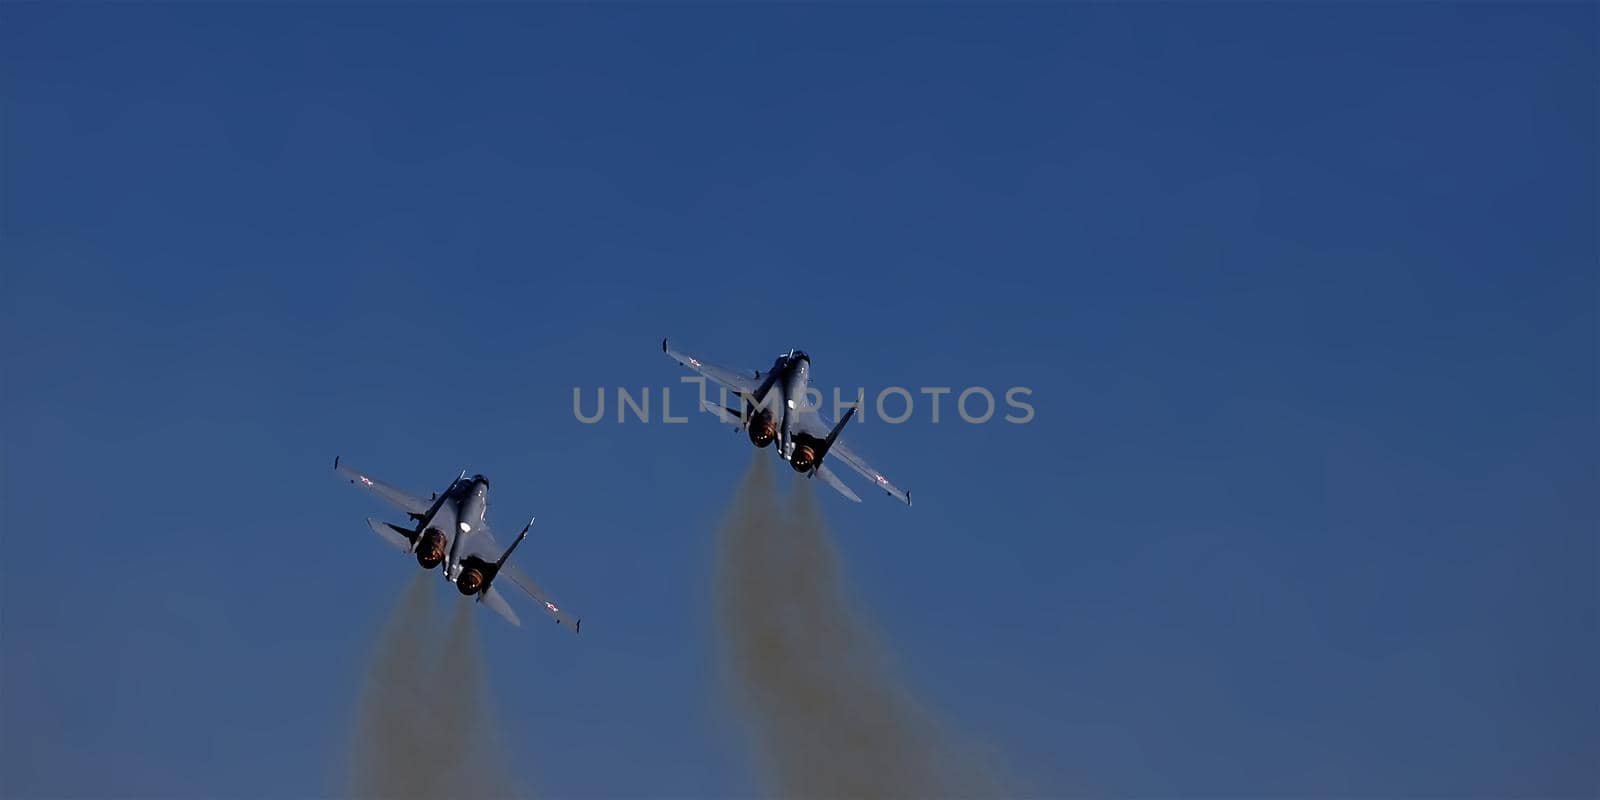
(470, 581)
(803, 458)
(763, 428)
(430, 548)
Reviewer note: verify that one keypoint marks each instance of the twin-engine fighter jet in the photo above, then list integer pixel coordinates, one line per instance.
(451, 529)
(774, 407)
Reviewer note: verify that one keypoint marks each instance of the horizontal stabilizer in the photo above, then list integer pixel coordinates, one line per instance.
(496, 601)
(395, 535)
(831, 479)
(726, 415)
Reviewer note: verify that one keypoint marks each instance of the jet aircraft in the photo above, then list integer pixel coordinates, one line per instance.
(775, 407)
(451, 528)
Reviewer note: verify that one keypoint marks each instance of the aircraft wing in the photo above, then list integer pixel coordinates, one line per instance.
(741, 381)
(563, 617)
(871, 473)
(399, 498)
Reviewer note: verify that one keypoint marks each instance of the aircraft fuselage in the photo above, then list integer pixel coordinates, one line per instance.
(792, 377)
(469, 506)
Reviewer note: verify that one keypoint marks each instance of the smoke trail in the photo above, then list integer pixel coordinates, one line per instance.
(829, 716)
(391, 741)
(423, 729)
(478, 766)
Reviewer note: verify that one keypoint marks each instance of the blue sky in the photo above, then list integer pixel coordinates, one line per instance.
(1306, 295)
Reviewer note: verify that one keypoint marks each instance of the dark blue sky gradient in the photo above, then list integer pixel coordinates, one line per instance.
(1306, 295)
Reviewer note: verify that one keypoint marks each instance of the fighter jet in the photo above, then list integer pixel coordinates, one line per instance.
(451, 528)
(775, 407)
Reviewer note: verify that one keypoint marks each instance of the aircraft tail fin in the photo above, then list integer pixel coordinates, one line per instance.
(491, 596)
(507, 554)
(438, 500)
(834, 434)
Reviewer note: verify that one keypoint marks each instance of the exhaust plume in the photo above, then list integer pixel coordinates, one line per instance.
(423, 729)
(828, 715)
